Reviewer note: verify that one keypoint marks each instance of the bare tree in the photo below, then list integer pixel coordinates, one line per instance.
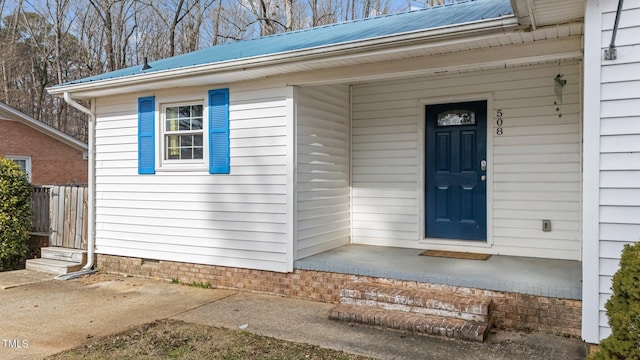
(119, 26)
(56, 41)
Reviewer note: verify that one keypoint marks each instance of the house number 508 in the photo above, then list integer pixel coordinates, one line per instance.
(499, 122)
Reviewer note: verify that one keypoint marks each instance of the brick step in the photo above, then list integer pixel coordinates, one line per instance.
(51, 266)
(413, 322)
(64, 254)
(426, 302)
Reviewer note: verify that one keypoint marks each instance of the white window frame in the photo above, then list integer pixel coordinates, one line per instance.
(181, 164)
(26, 159)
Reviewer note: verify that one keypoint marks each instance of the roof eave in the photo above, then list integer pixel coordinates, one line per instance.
(27, 120)
(282, 59)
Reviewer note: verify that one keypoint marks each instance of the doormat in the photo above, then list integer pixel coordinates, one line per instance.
(456, 255)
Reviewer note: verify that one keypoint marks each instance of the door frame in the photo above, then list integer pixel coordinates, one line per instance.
(454, 244)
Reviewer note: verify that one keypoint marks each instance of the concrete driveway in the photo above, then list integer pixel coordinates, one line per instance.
(48, 316)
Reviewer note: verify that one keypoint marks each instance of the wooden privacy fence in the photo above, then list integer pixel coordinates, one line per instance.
(40, 196)
(61, 212)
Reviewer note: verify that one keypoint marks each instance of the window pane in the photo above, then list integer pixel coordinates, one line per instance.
(185, 112)
(172, 125)
(171, 113)
(186, 141)
(173, 147)
(196, 124)
(21, 163)
(185, 125)
(456, 117)
(196, 111)
(197, 153)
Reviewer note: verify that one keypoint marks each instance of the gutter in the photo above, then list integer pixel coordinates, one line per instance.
(367, 46)
(87, 268)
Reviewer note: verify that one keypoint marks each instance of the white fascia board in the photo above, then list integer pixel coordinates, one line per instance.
(42, 127)
(440, 34)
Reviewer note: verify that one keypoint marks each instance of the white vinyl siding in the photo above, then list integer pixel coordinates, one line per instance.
(239, 220)
(619, 208)
(323, 193)
(534, 166)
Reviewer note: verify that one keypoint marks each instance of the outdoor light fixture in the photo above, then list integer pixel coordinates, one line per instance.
(559, 83)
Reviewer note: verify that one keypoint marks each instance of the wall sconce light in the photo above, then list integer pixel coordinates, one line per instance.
(559, 83)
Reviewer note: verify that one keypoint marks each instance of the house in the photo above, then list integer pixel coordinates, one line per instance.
(488, 126)
(47, 155)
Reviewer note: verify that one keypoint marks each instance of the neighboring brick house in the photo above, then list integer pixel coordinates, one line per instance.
(49, 156)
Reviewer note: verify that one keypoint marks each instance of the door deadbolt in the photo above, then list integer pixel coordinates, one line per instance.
(483, 165)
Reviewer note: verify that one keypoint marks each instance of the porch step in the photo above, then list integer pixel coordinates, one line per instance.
(418, 323)
(51, 266)
(58, 260)
(64, 254)
(422, 311)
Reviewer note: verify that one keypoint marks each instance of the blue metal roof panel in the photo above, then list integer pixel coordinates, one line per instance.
(328, 35)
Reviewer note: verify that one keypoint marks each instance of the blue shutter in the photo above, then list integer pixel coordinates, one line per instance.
(146, 136)
(219, 131)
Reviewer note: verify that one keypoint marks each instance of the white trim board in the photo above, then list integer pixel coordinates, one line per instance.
(591, 172)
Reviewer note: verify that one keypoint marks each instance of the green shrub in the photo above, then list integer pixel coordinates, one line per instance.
(15, 213)
(623, 310)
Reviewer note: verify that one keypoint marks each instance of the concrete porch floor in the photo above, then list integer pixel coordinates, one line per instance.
(533, 276)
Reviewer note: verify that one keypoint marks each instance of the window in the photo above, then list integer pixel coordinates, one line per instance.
(456, 117)
(183, 133)
(24, 162)
(191, 136)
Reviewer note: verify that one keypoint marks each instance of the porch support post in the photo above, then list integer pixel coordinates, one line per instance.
(591, 172)
(292, 170)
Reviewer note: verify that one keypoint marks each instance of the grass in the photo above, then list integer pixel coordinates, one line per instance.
(205, 285)
(172, 339)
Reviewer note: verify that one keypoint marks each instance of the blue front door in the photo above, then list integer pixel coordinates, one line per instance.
(456, 190)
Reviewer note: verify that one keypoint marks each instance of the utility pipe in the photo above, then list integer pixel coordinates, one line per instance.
(92, 187)
(611, 53)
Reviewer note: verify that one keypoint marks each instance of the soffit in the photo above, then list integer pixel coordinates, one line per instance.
(540, 13)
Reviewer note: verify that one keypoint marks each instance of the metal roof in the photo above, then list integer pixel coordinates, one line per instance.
(324, 36)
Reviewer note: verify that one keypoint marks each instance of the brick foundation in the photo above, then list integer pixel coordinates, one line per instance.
(510, 310)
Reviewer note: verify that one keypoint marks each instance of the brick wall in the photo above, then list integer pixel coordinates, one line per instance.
(510, 310)
(52, 162)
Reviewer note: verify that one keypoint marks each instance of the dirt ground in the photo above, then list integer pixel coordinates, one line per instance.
(180, 340)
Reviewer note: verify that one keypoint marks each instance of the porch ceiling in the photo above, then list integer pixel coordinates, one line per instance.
(512, 48)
